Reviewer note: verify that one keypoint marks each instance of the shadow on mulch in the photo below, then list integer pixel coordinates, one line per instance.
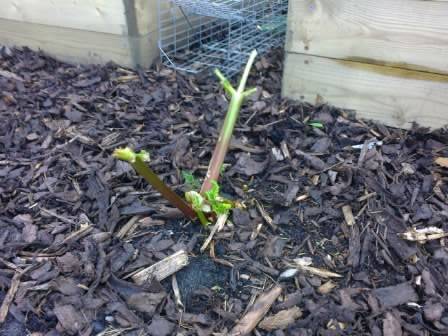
(201, 284)
(13, 327)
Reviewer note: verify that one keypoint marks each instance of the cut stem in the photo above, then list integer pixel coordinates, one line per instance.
(222, 146)
(137, 161)
(142, 168)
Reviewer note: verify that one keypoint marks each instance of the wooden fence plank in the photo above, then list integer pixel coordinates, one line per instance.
(71, 45)
(391, 95)
(403, 33)
(105, 16)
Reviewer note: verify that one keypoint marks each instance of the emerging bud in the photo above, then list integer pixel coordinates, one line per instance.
(143, 155)
(125, 154)
(128, 155)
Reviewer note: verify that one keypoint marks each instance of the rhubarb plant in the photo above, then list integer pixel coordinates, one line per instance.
(207, 204)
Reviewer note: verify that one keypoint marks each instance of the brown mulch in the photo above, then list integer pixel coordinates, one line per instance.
(65, 263)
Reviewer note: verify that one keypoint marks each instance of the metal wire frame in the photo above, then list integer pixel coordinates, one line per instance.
(195, 35)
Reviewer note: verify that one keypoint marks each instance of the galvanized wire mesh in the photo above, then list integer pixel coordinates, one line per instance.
(195, 35)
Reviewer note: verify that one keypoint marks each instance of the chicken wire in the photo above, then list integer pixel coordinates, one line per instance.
(196, 35)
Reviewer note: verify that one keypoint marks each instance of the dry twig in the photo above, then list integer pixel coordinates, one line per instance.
(265, 215)
(9, 298)
(220, 222)
(256, 313)
(129, 227)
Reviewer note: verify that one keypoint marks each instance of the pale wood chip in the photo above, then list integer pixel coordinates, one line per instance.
(285, 150)
(162, 269)
(348, 215)
(281, 320)
(442, 161)
(128, 228)
(256, 312)
(423, 235)
(326, 287)
(9, 297)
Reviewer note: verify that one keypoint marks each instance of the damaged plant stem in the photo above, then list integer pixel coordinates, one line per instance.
(206, 204)
(138, 162)
(237, 98)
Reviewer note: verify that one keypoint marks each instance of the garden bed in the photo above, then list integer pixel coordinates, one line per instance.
(318, 184)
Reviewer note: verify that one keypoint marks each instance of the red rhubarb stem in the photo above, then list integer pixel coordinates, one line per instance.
(148, 174)
(225, 136)
(137, 161)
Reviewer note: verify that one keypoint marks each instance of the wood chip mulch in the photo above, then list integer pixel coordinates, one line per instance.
(319, 250)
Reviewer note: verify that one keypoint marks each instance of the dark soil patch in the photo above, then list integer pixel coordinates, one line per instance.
(202, 283)
(13, 327)
(64, 202)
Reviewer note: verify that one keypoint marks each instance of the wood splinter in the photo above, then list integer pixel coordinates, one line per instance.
(9, 297)
(256, 313)
(348, 215)
(222, 219)
(162, 269)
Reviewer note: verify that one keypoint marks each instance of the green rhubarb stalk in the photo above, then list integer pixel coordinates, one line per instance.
(201, 216)
(237, 98)
(138, 162)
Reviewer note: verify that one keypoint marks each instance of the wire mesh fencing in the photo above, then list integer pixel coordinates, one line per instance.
(196, 35)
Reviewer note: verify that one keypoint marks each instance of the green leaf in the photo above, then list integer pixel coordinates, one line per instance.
(195, 199)
(211, 202)
(191, 181)
(221, 208)
(213, 193)
(316, 124)
(219, 205)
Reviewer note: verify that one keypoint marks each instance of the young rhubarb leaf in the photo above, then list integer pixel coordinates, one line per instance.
(190, 180)
(199, 205)
(218, 204)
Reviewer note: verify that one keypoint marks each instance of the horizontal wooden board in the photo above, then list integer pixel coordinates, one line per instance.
(393, 96)
(105, 16)
(403, 33)
(79, 46)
